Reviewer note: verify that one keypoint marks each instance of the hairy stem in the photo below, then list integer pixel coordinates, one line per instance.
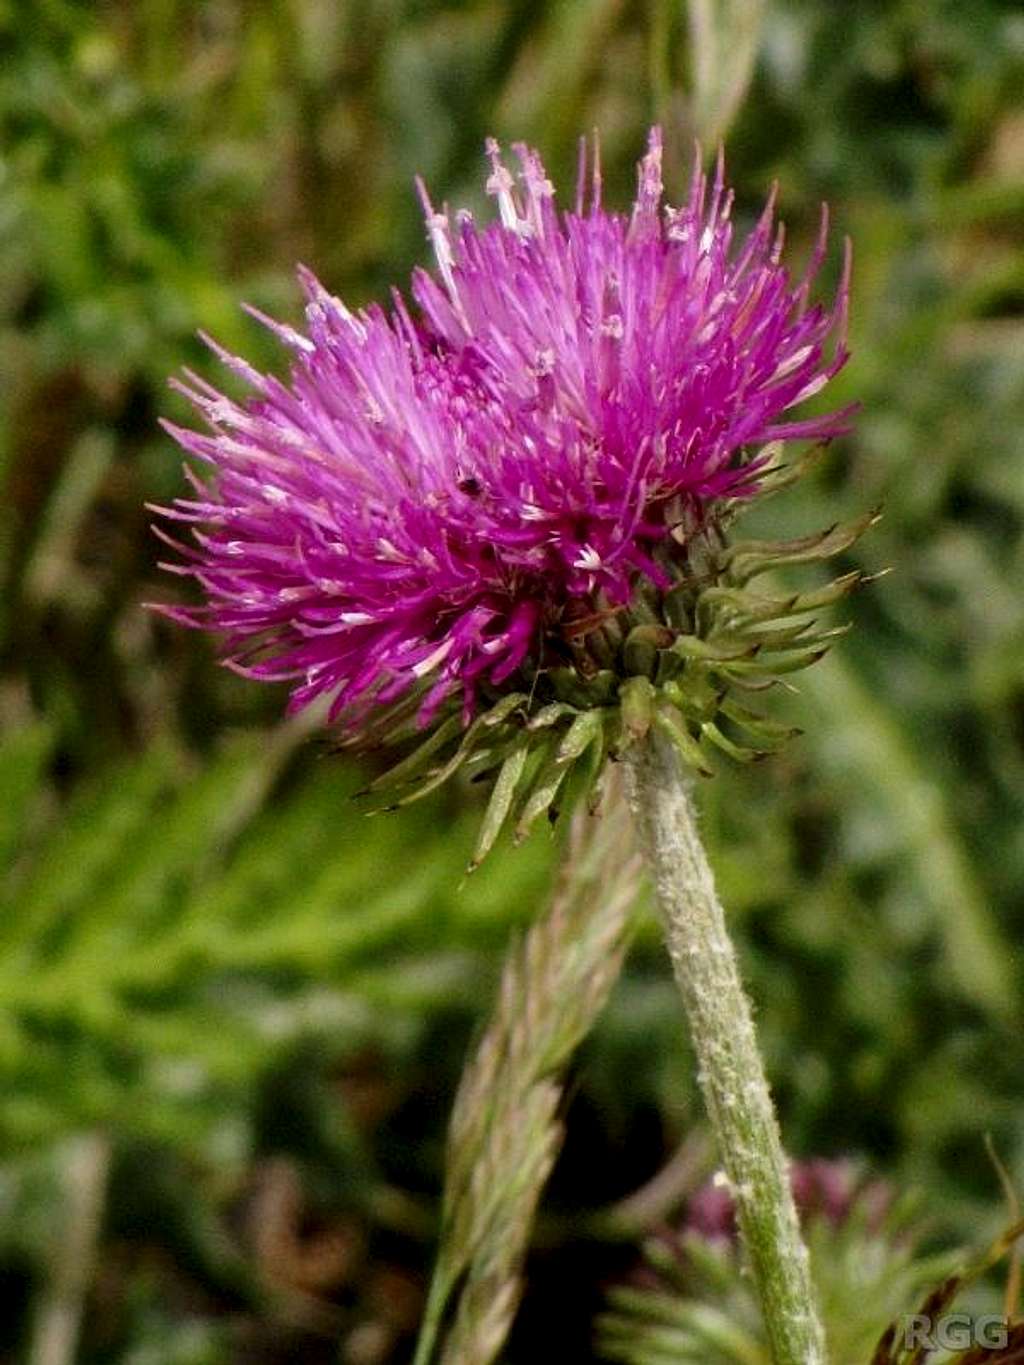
(730, 1071)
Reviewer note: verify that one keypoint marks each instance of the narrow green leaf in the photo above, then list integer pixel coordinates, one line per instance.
(693, 647)
(747, 560)
(762, 727)
(549, 778)
(759, 668)
(415, 764)
(671, 723)
(502, 796)
(550, 714)
(579, 736)
(742, 753)
(495, 716)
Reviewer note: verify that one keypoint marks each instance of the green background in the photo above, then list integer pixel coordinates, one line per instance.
(219, 982)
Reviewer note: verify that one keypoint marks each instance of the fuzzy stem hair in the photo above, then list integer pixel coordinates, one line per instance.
(730, 1072)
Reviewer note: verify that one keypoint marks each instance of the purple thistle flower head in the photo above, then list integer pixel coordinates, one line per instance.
(439, 495)
(693, 1289)
(508, 501)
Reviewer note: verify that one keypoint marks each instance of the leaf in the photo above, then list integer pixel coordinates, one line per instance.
(413, 766)
(748, 560)
(549, 778)
(502, 797)
(487, 720)
(742, 753)
(671, 723)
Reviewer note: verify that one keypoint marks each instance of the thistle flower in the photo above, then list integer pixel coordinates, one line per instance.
(499, 515)
(691, 1299)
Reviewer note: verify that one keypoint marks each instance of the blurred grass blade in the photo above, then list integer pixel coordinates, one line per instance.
(23, 755)
(85, 1164)
(724, 37)
(49, 573)
(859, 739)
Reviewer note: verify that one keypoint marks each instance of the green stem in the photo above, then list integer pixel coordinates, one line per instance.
(730, 1071)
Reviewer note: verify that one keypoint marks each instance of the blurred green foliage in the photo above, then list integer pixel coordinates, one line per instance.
(255, 997)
